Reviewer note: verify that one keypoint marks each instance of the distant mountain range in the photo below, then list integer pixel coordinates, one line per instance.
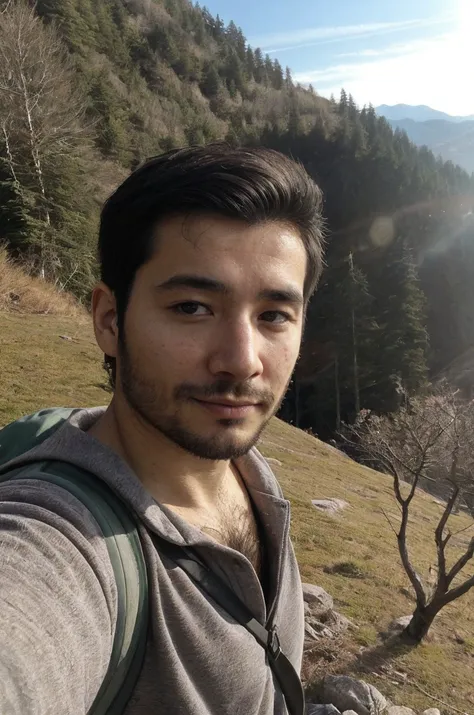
(420, 113)
(450, 137)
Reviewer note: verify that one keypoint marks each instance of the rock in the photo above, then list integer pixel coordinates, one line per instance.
(399, 710)
(337, 623)
(307, 609)
(432, 711)
(347, 693)
(310, 633)
(349, 712)
(321, 630)
(319, 601)
(312, 709)
(332, 507)
(274, 462)
(398, 625)
(65, 337)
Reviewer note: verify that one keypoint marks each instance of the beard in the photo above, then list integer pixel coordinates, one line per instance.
(162, 411)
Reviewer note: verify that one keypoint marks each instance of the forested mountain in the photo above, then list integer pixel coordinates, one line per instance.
(89, 88)
(453, 141)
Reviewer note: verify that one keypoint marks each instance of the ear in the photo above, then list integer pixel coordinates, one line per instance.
(104, 315)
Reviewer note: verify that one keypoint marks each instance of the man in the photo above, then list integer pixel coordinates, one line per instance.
(208, 258)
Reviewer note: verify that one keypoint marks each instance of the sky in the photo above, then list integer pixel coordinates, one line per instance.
(381, 51)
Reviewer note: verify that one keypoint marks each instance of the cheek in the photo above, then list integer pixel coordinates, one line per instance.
(159, 344)
(281, 360)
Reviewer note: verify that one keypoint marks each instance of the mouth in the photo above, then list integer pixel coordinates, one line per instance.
(229, 409)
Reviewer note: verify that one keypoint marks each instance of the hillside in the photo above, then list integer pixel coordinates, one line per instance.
(52, 359)
(453, 141)
(419, 113)
(113, 82)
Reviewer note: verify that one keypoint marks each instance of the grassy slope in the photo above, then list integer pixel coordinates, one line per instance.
(39, 369)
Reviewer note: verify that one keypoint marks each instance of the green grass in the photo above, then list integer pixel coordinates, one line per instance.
(39, 369)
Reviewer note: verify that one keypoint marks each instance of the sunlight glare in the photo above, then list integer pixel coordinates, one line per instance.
(465, 20)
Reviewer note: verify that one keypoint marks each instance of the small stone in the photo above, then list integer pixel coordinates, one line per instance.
(400, 710)
(65, 337)
(319, 601)
(349, 712)
(332, 507)
(432, 711)
(312, 709)
(399, 624)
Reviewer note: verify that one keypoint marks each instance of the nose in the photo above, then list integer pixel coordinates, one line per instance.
(236, 352)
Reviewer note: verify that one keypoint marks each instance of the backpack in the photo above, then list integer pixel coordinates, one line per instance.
(120, 530)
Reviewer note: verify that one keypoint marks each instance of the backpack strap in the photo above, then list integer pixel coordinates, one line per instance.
(123, 544)
(285, 674)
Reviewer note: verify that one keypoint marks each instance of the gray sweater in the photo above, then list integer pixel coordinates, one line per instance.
(58, 600)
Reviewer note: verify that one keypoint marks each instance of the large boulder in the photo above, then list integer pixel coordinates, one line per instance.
(312, 709)
(349, 694)
(318, 600)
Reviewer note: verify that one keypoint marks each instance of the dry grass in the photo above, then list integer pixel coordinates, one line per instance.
(38, 368)
(361, 537)
(22, 293)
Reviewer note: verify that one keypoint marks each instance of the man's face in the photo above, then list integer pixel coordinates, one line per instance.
(212, 332)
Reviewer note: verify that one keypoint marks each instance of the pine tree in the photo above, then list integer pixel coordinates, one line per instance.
(250, 63)
(278, 78)
(259, 66)
(402, 317)
(211, 81)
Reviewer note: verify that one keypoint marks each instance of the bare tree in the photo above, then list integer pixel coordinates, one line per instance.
(429, 438)
(40, 112)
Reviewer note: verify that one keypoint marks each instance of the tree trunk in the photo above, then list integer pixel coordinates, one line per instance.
(420, 624)
(338, 394)
(354, 342)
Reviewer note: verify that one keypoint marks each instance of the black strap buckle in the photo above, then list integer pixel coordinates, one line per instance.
(273, 645)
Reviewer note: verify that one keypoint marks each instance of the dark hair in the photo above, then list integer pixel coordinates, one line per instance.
(254, 185)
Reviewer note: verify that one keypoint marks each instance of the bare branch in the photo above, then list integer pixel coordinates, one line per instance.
(439, 533)
(461, 563)
(460, 590)
(390, 523)
(412, 574)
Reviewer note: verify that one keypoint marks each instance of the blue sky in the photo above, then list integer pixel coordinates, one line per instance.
(382, 51)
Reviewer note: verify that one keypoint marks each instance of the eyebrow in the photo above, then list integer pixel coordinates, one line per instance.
(277, 295)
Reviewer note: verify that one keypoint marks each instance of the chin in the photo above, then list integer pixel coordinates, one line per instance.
(218, 447)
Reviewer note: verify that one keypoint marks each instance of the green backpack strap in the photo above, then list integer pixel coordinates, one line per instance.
(120, 531)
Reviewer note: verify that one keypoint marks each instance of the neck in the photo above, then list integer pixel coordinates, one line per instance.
(171, 475)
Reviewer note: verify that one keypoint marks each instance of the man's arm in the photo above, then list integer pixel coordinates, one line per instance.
(57, 602)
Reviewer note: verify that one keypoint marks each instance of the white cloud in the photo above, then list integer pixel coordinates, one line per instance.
(396, 49)
(437, 72)
(308, 37)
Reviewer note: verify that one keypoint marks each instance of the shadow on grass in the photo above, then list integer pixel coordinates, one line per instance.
(335, 658)
(380, 655)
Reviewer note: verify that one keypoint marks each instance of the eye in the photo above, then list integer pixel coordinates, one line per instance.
(191, 307)
(275, 317)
